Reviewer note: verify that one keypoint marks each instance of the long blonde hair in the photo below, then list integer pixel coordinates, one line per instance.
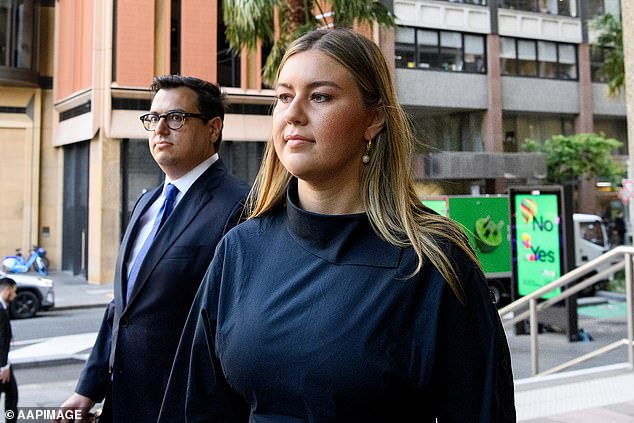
(387, 183)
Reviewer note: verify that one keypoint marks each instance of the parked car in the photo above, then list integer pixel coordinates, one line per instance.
(34, 293)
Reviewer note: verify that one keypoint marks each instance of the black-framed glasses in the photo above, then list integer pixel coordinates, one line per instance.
(174, 120)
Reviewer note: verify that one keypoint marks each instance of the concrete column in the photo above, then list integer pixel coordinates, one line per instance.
(104, 200)
(584, 122)
(104, 203)
(587, 194)
(492, 129)
(627, 16)
(492, 124)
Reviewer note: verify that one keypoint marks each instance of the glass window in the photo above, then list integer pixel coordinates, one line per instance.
(552, 7)
(518, 127)
(567, 61)
(428, 56)
(405, 50)
(597, 57)
(458, 131)
(451, 50)
(527, 58)
(594, 8)
(474, 54)
(476, 2)
(228, 61)
(591, 231)
(547, 59)
(507, 56)
(17, 33)
(439, 50)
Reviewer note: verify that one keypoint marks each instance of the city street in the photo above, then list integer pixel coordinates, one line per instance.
(50, 385)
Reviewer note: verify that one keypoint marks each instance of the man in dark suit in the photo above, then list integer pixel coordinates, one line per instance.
(8, 384)
(164, 254)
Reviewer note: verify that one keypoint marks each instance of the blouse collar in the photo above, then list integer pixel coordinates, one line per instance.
(340, 239)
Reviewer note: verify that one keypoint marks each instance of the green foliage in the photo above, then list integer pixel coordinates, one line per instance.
(617, 282)
(611, 35)
(248, 21)
(582, 155)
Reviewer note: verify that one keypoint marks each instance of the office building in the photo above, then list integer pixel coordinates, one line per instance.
(477, 77)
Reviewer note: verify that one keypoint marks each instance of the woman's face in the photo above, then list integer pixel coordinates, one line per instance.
(320, 123)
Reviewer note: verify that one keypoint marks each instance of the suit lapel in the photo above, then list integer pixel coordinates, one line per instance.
(139, 210)
(200, 193)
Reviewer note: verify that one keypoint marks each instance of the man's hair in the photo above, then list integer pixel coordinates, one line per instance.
(7, 283)
(211, 100)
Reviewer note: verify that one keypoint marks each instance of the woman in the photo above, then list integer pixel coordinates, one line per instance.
(341, 298)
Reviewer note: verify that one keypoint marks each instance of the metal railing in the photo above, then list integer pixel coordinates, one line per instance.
(529, 305)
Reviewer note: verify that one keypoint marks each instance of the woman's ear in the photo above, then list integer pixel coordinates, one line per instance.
(377, 123)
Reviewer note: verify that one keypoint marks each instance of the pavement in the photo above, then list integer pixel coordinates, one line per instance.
(599, 390)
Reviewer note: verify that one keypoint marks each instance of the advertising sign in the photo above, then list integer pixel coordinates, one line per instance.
(438, 204)
(537, 239)
(485, 220)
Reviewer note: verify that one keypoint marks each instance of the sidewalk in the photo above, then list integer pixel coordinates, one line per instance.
(596, 391)
(75, 292)
(71, 292)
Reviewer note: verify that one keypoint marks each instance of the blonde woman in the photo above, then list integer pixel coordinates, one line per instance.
(341, 298)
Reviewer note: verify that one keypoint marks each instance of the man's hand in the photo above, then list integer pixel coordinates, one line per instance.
(77, 402)
(5, 374)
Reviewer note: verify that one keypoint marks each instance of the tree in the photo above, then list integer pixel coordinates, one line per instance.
(611, 36)
(571, 157)
(250, 21)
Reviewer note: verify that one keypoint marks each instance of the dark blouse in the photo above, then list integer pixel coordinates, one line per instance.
(304, 317)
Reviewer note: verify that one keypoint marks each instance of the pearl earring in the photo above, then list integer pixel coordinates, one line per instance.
(366, 156)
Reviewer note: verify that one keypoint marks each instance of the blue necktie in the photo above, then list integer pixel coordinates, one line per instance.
(168, 205)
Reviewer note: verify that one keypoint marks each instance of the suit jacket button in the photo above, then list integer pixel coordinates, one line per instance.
(124, 322)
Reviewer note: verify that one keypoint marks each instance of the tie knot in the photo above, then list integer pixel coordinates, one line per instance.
(171, 192)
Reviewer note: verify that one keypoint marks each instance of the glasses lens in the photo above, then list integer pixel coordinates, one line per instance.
(150, 121)
(175, 120)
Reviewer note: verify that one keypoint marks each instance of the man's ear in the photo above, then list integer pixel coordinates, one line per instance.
(215, 128)
(377, 123)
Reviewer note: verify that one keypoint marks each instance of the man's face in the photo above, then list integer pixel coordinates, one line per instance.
(8, 293)
(179, 151)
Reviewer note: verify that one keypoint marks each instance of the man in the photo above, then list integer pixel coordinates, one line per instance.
(8, 384)
(155, 286)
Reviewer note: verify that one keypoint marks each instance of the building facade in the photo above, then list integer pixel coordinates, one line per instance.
(481, 76)
(477, 77)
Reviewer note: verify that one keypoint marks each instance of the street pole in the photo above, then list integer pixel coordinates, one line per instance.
(627, 16)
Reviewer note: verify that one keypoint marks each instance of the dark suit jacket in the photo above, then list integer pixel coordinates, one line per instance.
(5, 336)
(137, 341)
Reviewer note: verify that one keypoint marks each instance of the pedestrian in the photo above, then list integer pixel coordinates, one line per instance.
(8, 384)
(341, 298)
(619, 228)
(163, 254)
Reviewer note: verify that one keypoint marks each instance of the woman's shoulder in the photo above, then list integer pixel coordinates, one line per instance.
(255, 227)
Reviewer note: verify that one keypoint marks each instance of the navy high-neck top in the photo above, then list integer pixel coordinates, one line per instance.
(305, 317)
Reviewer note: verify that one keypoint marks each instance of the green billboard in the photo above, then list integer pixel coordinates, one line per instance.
(536, 238)
(485, 220)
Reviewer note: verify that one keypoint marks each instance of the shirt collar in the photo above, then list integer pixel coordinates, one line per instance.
(187, 180)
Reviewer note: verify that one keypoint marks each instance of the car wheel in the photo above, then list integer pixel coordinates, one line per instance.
(25, 305)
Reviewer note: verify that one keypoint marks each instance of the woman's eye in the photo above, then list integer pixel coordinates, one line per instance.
(320, 98)
(284, 98)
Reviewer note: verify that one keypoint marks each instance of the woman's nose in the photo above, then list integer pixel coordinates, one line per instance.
(295, 113)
